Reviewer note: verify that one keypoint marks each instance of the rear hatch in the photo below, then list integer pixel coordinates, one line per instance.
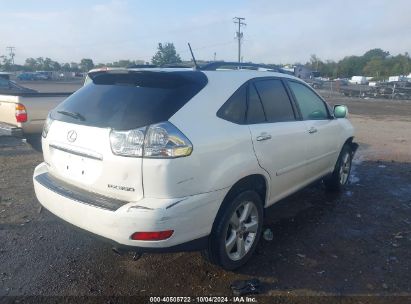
(77, 146)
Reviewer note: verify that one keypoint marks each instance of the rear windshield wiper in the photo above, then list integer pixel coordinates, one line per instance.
(74, 115)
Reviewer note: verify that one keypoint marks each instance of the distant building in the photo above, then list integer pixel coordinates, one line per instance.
(304, 72)
(358, 80)
(397, 78)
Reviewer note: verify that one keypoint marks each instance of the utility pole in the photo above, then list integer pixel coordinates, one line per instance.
(215, 56)
(11, 49)
(239, 34)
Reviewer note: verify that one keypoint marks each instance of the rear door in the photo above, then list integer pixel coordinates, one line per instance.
(78, 147)
(323, 130)
(279, 138)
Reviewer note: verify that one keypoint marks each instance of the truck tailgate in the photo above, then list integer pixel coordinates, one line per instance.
(8, 110)
(37, 105)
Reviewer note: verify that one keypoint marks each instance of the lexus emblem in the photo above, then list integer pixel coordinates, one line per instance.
(71, 136)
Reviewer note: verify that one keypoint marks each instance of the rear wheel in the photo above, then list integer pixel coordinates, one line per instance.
(340, 176)
(236, 231)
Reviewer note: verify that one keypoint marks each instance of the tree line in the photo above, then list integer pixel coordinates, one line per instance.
(47, 64)
(376, 63)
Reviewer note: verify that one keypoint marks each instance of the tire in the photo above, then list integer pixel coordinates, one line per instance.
(236, 231)
(340, 176)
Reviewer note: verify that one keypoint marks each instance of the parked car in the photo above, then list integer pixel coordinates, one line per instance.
(26, 76)
(160, 160)
(45, 75)
(40, 76)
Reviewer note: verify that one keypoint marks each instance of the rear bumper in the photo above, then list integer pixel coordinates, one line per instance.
(190, 217)
(10, 130)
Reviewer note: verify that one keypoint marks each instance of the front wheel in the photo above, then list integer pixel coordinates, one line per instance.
(339, 177)
(236, 231)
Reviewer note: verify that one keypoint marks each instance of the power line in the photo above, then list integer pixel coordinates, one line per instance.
(11, 49)
(239, 34)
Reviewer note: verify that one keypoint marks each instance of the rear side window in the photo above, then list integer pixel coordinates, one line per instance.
(275, 100)
(125, 101)
(311, 106)
(235, 107)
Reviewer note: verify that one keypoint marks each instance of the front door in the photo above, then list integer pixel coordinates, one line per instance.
(323, 130)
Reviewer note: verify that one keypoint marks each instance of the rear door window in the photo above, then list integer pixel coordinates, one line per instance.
(255, 113)
(130, 100)
(311, 106)
(276, 103)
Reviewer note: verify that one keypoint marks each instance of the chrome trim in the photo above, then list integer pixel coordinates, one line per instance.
(312, 130)
(88, 154)
(6, 129)
(263, 137)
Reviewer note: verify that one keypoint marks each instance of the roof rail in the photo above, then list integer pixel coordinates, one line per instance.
(213, 66)
(176, 65)
(149, 66)
(142, 66)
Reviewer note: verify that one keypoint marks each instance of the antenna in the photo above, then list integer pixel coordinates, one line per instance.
(192, 55)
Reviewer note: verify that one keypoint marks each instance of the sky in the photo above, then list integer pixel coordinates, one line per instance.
(277, 31)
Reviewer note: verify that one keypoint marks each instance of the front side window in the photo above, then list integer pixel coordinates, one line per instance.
(311, 106)
(275, 100)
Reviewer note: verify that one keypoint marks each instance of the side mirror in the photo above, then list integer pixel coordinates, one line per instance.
(340, 111)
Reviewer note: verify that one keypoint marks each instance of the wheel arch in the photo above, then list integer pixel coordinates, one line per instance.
(257, 182)
(350, 142)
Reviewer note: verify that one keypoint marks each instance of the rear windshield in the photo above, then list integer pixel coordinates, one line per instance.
(129, 100)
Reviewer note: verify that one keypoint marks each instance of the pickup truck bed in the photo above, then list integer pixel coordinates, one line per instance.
(37, 105)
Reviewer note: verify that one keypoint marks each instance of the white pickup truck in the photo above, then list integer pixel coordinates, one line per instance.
(23, 111)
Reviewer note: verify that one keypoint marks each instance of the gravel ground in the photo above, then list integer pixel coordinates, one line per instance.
(355, 243)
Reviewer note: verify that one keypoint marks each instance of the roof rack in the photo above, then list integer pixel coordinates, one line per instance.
(176, 65)
(212, 66)
(142, 66)
(150, 66)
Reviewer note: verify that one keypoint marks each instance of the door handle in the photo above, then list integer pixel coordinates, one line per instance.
(263, 137)
(312, 130)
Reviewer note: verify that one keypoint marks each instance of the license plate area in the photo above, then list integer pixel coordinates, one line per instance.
(74, 167)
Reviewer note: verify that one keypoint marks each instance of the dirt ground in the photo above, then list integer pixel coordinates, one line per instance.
(356, 243)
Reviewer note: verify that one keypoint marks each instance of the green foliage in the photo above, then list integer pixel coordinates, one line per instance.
(379, 53)
(376, 63)
(166, 54)
(42, 64)
(123, 63)
(86, 64)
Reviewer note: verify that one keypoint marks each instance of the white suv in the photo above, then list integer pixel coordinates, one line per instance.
(161, 160)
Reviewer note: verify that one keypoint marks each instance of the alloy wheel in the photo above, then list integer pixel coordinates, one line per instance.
(242, 230)
(345, 168)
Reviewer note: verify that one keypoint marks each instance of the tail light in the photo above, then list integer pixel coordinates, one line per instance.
(152, 236)
(21, 113)
(162, 140)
